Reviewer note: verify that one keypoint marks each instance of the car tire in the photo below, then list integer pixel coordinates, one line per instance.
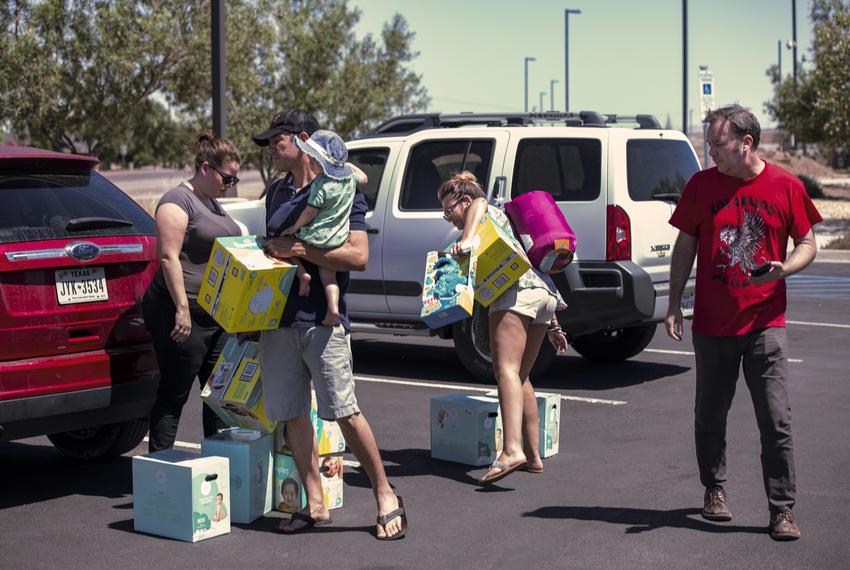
(614, 345)
(102, 441)
(472, 344)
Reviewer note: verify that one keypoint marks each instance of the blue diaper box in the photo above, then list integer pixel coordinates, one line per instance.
(441, 311)
(251, 477)
(465, 429)
(181, 495)
(548, 420)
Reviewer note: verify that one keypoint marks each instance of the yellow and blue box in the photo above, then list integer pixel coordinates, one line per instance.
(441, 311)
(181, 495)
(501, 261)
(251, 478)
(328, 435)
(289, 494)
(243, 288)
(465, 429)
(548, 421)
(234, 390)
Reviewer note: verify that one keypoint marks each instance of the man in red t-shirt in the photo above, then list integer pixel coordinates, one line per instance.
(736, 219)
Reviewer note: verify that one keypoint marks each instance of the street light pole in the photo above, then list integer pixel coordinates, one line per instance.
(527, 59)
(779, 60)
(685, 66)
(567, 13)
(542, 93)
(552, 83)
(794, 35)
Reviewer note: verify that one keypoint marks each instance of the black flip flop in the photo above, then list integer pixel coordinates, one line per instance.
(505, 471)
(309, 522)
(383, 520)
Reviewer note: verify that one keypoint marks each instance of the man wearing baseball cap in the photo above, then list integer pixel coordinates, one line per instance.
(303, 350)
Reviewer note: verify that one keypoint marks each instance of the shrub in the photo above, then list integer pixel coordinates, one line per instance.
(813, 187)
(842, 242)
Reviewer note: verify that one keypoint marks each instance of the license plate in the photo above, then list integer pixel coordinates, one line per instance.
(688, 304)
(81, 285)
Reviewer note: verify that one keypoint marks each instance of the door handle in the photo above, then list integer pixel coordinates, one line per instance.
(371, 230)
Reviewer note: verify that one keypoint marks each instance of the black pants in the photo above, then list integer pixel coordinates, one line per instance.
(179, 364)
(718, 360)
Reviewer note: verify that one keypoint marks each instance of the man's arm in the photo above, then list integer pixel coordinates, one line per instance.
(804, 252)
(353, 255)
(684, 253)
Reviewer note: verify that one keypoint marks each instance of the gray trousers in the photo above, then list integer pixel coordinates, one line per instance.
(718, 360)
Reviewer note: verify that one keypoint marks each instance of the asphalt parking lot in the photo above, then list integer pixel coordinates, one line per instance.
(622, 492)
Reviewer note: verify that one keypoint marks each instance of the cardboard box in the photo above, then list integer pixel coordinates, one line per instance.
(548, 420)
(501, 261)
(289, 494)
(251, 478)
(465, 429)
(234, 390)
(243, 288)
(441, 311)
(328, 435)
(181, 495)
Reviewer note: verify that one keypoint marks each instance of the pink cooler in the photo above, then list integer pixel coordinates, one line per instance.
(544, 232)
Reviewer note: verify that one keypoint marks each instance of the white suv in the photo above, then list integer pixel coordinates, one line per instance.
(616, 186)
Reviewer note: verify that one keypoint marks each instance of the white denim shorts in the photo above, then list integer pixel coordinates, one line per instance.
(536, 303)
(292, 357)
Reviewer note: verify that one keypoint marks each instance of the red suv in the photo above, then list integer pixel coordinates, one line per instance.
(76, 255)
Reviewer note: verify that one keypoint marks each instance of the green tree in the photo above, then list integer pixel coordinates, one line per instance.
(817, 108)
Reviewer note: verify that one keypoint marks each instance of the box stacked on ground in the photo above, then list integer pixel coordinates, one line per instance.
(181, 495)
(251, 477)
(465, 429)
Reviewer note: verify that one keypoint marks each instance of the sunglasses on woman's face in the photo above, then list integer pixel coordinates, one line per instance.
(226, 179)
(448, 211)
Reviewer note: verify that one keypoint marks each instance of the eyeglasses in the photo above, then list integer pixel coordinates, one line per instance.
(226, 179)
(447, 212)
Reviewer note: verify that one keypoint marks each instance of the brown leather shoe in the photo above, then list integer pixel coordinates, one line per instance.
(714, 506)
(782, 525)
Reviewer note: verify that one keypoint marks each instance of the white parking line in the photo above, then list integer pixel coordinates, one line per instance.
(810, 324)
(686, 353)
(475, 389)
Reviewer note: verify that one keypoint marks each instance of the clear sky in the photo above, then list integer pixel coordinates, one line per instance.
(625, 55)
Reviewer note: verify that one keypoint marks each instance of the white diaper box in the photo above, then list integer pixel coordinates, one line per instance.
(465, 429)
(181, 495)
(251, 477)
(548, 421)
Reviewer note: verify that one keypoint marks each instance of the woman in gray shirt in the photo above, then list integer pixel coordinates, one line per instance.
(186, 338)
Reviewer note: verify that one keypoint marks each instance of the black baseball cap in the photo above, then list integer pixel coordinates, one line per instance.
(288, 120)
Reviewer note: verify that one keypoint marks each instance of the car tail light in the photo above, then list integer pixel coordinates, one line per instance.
(619, 232)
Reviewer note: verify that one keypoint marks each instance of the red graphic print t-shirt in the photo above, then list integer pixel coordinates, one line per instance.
(741, 224)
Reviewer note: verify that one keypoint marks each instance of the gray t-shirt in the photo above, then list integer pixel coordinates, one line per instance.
(204, 226)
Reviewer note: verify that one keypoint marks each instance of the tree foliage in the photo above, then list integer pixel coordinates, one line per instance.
(99, 74)
(817, 108)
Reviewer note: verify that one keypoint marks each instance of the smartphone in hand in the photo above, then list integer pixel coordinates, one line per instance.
(761, 269)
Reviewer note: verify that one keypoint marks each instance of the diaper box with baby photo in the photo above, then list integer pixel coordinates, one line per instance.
(548, 420)
(234, 391)
(448, 291)
(465, 429)
(328, 435)
(181, 495)
(251, 478)
(289, 494)
(243, 288)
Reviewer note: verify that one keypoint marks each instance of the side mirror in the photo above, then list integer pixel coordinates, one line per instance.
(498, 193)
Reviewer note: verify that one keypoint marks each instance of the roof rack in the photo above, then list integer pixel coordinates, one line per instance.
(407, 124)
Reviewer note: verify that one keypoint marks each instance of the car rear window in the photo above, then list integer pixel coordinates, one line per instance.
(657, 169)
(36, 207)
(569, 169)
